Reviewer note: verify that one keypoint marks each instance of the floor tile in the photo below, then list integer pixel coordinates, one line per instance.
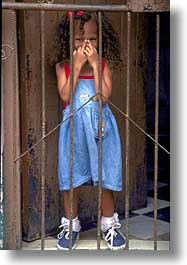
(142, 227)
(150, 206)
(163, 214)
(148, 245)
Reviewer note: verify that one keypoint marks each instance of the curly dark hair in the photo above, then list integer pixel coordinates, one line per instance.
(110, 41)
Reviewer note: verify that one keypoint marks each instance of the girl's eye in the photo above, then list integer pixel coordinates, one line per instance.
(93, 41)
(79, 39)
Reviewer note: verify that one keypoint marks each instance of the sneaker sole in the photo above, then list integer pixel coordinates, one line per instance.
(61, 248)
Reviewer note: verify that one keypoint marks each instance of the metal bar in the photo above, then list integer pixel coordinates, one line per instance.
(71, 129)
(127, 132)
(2, 165)
(100, 134)
(63, 7)
(16, 141)
(136, 79)
(122, 73)
(75, 7)
(43, 152)
(156, 127)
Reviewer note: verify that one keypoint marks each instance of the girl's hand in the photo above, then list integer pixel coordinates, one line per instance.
(79, 56)
(91, 53)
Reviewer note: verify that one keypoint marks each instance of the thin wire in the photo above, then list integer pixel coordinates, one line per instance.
(116, 107)
(51, 131)
(137, 126)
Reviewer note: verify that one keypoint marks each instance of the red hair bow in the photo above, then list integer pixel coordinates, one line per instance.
(78, 13)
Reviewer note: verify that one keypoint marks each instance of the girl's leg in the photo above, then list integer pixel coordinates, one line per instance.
(107, 203)
(110, 222)
(67, 202)
(63, 236)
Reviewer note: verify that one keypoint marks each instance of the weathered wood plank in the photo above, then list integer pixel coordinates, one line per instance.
(11, 133)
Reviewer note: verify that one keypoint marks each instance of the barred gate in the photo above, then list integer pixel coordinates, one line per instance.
(12, 209)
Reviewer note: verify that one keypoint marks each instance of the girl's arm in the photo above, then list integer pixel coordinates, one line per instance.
(63, 83)
(106, 81)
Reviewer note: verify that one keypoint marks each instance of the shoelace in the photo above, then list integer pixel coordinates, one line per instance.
(112, 233)
(65, 229)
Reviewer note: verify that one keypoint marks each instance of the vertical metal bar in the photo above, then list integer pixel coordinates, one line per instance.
(16, 141)
(42, 34)
(100, 134)
(2, 165)
(122, 72)
(71, 129)
(136, 80)
(127, 133)
(156, 127)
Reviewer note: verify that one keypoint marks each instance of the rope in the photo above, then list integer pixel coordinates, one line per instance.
(92, 98)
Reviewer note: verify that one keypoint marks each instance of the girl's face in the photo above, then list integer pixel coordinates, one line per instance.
(89, 33)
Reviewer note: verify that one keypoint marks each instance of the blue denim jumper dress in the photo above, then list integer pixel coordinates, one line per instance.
(85, 142)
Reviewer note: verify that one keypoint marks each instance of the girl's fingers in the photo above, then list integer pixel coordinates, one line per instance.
(87, 49)
(79, 49)
(86, 52)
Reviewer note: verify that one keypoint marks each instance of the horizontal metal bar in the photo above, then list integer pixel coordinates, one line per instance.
(74, 7)
(63, 7)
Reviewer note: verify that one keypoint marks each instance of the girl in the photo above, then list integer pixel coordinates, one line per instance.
(85, 130)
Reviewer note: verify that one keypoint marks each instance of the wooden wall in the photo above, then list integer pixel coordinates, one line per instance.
(30, 97)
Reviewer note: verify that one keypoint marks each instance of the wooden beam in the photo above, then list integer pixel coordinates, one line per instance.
(12, 204)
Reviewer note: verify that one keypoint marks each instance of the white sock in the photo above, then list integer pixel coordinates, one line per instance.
(107, 222)
(75, 223)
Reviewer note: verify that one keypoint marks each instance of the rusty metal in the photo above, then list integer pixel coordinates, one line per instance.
(63, 7)
(127, 132)
(71, 129)
(47, 1)
(2, 168)
(15, 121)
(43, 162)
(100, 134)
(50, 6)
(157, 66)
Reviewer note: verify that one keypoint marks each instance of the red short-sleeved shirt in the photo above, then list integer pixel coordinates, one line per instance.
(67, 73)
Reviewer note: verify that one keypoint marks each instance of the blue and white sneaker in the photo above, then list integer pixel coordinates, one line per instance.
(113, 237)
(63, 236)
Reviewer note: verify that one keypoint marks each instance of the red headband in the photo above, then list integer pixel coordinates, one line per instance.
(78, 13)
